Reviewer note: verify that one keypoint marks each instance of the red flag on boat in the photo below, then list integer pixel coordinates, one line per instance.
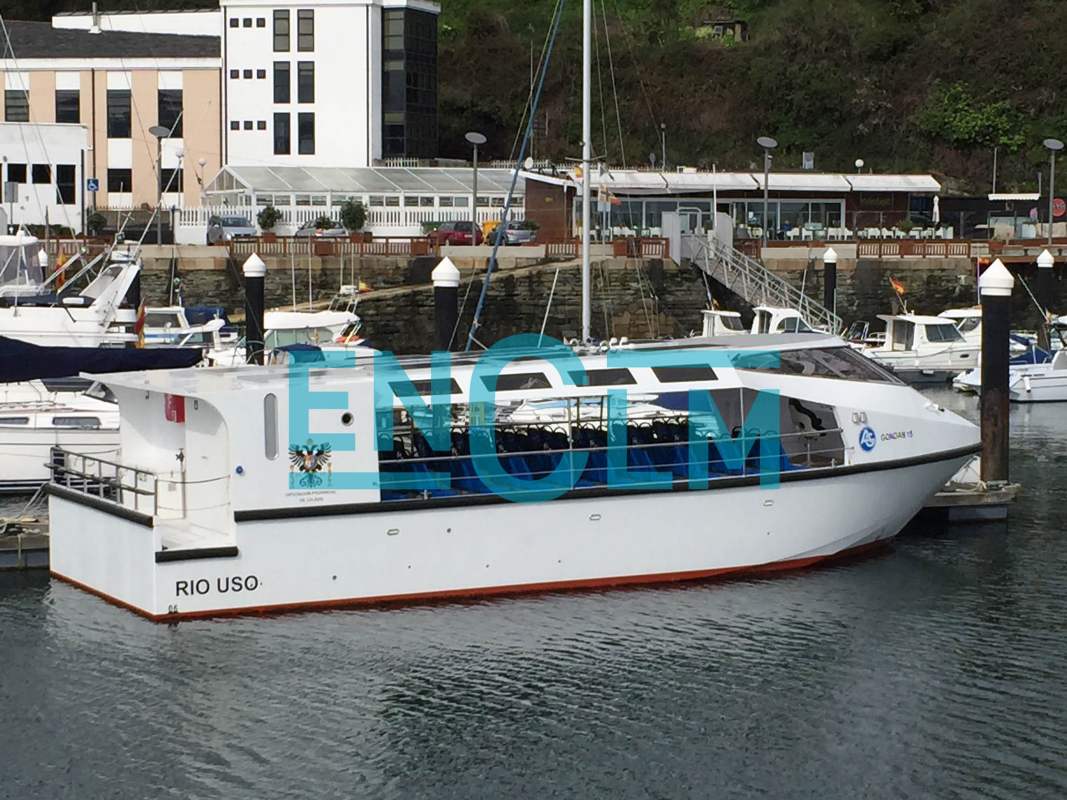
(138, 326)
(898, 287)
(174, 408)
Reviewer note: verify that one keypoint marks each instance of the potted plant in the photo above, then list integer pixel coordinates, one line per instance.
(95, 224)
(267, 218)
(323, 246)
(354, 217)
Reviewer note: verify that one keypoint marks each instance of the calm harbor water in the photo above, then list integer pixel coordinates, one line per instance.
(937, 668)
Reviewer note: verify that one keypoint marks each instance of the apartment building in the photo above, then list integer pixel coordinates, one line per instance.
(119, 85)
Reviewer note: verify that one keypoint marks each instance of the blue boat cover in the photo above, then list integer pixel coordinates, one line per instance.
(22, 361)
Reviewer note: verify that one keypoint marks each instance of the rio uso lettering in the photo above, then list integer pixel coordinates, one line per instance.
(201, 586)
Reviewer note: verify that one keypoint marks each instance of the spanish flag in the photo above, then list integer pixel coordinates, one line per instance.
(898, 287)
(138, 326)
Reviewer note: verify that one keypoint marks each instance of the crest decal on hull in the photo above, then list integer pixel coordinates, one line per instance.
(311, 460)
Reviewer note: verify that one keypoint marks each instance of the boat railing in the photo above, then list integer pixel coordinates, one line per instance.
(105, 480)
(470, 473)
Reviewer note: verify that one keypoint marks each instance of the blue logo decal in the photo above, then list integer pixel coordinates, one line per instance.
(868, 439)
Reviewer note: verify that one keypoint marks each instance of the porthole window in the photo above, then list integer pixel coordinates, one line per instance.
(346, 418)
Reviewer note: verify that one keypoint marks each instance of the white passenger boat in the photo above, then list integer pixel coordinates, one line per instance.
(37, 416)
(215, 505)
(765, 320)
(924, 349)
(1040, 383)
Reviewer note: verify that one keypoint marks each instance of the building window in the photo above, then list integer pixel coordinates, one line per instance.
(411, 202)
(234, 22)
(235, 125)
(444, 202)
(170, 180)
(16, 173)
(305, 30)
(65, 181)
(305, 134)
(261, 74)
(68, 105)
(281, 135)
(281, 31)
(118, 113)
(261, 125)
(281, 81)
(170, 111)
(235, 74)
(426, 202)
(120, 180)
(248, 74)
(41, 173)
(261, 22)
(16, 105)
(305, 82)
(409, 83)
(247, 22)
(248, 124)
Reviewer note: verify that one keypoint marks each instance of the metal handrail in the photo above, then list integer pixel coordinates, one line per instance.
(102, 478)
(755, 283)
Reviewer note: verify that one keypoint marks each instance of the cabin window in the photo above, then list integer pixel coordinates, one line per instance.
(14, 420)
(603, 377)
(731, 323)
(422, 387)
(684, 374)
(72, 384)
(515, 382)
(903, 335)
(943, 333)
(76, 422)
(270, 426)
(841, 363)
(969, 324)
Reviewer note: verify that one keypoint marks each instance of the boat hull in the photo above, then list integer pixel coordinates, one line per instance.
(388, 556)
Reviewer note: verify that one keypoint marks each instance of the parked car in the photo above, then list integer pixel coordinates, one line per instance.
(458, 233)
(516, 233)
(225, 229)
(335, 231)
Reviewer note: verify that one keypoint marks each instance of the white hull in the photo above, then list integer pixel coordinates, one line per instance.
(25, 452)
(487, 549)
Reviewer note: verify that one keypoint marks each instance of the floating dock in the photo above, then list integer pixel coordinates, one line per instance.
(25, 550)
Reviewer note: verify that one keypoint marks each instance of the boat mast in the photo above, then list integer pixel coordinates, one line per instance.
(587, 156)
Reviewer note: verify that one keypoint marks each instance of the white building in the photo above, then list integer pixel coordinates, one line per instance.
(44, 172)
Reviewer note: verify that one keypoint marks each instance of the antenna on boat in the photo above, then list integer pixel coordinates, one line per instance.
(587, 147)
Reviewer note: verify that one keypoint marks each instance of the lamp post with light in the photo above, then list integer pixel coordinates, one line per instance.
(475, 139)
(1053, 146)
(768, 144)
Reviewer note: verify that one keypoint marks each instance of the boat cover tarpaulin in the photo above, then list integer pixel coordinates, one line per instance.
(22, 361)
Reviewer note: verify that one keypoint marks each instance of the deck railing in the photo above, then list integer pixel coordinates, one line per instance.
(132, 488)
(400, 246)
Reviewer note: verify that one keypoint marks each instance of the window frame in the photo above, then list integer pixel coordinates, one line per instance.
(282, 31)
(40, 174)
(305, 118)
(67, 95)
(119, 119)
(305, 81)
(118, 187)
(66, 184)
(305, 15)
(23, 113)
(165, 98)
(286, 118)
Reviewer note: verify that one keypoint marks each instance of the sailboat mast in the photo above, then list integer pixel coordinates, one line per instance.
(587, 157)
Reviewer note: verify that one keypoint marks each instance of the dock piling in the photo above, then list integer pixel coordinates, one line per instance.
(829, 279)
(255, 273)
(1045, 299)
(445, 278)
(995, 287)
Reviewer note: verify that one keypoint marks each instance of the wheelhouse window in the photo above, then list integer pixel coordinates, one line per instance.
(281, 31)
(515, 382)
(969, 324)
(603, 377)
(903, 335)
(943, 333)
(841, 363)
(422, 388)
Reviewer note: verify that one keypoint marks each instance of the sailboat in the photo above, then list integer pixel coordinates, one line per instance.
(522, 469)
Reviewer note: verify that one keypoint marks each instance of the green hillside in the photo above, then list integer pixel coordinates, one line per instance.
(903, 84)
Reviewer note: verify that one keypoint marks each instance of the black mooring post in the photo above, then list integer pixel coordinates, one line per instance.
(1045, 299)
(995, 286)
(829, 280)
(445, 278)
(255, 274)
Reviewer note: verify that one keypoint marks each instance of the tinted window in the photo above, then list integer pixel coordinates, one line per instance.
(683, 374)
(281, 31)
(65, 180)
(76, 422)
(281, 81)
(119, 180)
(41, 173)
(14, 420)
(305, 30)
(170, 110)
(943, 333)
(421, 387)
(516, 382)
(281, 134)
(118, 113)
(305, 82)
(68, 105)
(841, 363)
(603, 377)
(16, 106)
(305, 131)
(16, 173)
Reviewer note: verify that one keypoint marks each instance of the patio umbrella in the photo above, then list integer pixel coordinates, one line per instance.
(937, 209)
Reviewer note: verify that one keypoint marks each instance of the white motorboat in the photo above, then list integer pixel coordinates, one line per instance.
(968, 322)
(21, 267)
(217, 506)
(765, 320)
(37, 416)
(923, 349)
(722, 323)
(1040, 383)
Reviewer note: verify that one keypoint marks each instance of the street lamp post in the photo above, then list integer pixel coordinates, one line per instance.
(161, 132)
(663, 145)
(768, 144)
(475, 139)
(1054, 146)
